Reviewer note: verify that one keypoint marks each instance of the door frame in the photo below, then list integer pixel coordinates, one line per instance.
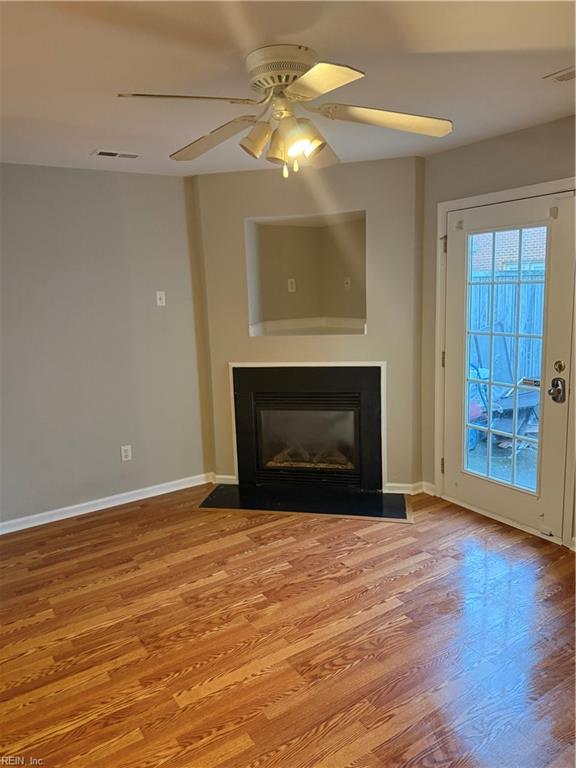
(559, 187)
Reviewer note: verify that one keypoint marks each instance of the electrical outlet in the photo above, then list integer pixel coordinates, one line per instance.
(160, 298)
(291, 285)
(347, 283)
(126, 452)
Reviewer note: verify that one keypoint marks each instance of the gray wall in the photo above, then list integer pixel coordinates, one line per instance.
(89, 362)
(541, 153)
(389, 191)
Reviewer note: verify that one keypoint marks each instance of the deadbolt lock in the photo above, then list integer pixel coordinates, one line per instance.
(557, 390)
(559, 366)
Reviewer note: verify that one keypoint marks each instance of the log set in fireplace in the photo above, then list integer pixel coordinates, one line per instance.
(302, 425)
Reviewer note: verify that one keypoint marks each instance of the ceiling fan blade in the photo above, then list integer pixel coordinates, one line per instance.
(398, 121)
(212, 139)
(320, 79)
(229, 99)
(324, 159)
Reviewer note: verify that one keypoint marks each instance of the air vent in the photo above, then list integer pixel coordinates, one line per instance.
(562, 75)
(108, 153)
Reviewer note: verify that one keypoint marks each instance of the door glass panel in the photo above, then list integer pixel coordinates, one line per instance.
(501, 459)
(528, 409)
(533, 253)
(480, 297)
(506, 252)
(503, 358)
(475, 451)
(479, 355)
(505, 303)
(526, 474)
(529, 359)
(480, 251)
(503, 409)
(504, 311)
(477, 403)
(531, 308)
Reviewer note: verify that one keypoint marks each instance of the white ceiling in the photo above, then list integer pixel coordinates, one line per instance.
(479, 63)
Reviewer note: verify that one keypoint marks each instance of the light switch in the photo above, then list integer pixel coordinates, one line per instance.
(291, 285)
(160, 298)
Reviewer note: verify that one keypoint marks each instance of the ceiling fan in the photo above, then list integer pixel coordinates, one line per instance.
(287, 76)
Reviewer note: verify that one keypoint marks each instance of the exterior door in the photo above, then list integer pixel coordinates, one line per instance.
(509, 319)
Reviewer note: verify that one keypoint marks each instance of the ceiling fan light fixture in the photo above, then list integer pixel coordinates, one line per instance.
(293, 141)
(276, 151)
(255, 142)
(301, 138)
(300, 147)
(288, 128)
(296, 135)
(315, 141)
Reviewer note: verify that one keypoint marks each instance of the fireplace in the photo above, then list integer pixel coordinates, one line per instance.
(309, 425)
(309, 439)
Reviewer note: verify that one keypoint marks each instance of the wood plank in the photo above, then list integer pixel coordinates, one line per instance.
(159, 633)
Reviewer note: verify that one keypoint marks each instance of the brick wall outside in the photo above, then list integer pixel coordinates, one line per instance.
(506, 246)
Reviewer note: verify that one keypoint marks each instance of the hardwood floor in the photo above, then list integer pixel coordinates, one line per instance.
(160, 634)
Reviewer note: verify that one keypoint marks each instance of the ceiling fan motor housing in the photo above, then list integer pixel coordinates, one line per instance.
(276, 66)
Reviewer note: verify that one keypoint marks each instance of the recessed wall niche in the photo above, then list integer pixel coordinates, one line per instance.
(307, 274)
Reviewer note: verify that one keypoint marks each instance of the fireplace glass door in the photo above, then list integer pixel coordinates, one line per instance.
(324, 440)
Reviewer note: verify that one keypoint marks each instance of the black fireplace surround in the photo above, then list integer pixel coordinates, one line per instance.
(302, 425)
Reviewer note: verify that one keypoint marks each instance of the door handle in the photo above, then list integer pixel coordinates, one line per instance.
(557, 390)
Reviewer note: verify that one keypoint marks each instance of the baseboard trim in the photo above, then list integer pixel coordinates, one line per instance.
(225, 479)
(410, 489)
(505, 520)
(31, 521)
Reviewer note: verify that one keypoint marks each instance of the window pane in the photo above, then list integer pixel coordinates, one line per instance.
(479, 307)
(506, 254)
(480, 250)
(503, 351)
(529, 359)
(533, 260)
(501, 461)
(475, 451)
(477, 403)
(503, 409)
(528, 410)
(478, 356)
(526, 464)
(531, 308)
(504, 311)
